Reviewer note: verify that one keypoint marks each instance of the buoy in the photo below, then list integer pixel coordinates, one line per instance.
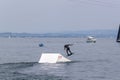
(41, 45)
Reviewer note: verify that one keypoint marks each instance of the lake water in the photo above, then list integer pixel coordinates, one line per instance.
(91, 61)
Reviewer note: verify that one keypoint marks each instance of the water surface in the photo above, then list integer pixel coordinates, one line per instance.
(91, 61)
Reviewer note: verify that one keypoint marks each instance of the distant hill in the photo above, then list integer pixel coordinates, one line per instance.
(96, 33)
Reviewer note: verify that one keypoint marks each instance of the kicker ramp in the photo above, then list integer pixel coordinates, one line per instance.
(52, 58)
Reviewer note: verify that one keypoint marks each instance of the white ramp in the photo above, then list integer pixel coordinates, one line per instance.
(52, 58)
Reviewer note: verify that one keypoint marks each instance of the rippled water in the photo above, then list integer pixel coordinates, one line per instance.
(91, 61)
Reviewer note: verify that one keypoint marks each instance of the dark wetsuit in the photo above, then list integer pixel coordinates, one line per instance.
(67, 48)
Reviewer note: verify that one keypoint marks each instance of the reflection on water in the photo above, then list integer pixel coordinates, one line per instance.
(32, 71)
(51, 69)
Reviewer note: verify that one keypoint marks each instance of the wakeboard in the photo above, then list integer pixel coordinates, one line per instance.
(70, 54)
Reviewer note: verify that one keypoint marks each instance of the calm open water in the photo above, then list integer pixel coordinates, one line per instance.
(91, 61)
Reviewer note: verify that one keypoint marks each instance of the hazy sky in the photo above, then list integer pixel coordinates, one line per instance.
(42, 16)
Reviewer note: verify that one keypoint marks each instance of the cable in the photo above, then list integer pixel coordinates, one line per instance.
(98, 3)
(106, 2)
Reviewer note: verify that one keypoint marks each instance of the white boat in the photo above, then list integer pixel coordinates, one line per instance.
(91, 39)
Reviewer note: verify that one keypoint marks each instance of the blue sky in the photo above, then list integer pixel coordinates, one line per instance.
(43, 16)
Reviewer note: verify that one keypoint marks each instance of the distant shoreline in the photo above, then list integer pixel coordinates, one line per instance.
(96, 33)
